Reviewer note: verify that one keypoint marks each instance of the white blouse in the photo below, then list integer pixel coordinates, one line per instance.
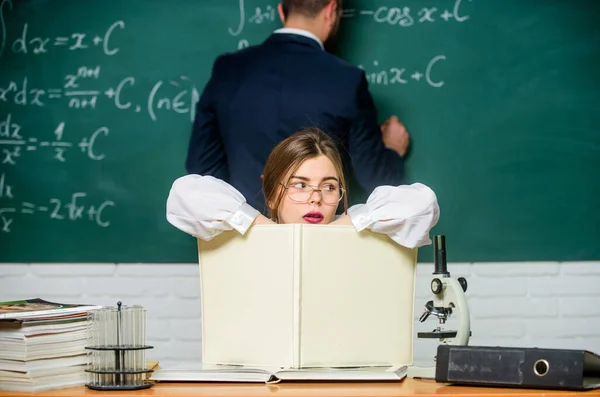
(204, 207)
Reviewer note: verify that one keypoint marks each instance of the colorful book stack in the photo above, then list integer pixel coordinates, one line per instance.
(42, 345)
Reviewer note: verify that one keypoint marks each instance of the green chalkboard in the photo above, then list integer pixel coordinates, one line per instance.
(502, 99)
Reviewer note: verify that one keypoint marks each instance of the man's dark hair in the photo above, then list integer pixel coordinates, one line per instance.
(307, 8)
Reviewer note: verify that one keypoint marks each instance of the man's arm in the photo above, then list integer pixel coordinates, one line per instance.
(206, 153)
(373, 163)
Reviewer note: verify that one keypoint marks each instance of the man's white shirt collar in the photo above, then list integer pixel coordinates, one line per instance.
(300, 32)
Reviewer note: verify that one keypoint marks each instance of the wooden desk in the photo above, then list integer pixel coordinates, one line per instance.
(407, 387)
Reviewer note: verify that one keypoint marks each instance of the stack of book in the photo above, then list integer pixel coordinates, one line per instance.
(42, 345)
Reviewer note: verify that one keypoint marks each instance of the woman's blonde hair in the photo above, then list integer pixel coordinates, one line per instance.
(287, 157)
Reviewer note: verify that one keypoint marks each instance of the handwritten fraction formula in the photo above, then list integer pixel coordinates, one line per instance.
(84, 87)
(14, 143)
(77, 207)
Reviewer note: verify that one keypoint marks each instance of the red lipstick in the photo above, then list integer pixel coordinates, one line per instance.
(313, 217)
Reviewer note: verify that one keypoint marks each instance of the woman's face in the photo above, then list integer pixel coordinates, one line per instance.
(300, 204)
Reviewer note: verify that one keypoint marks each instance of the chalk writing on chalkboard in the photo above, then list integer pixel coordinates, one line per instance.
(400, 16)
(405, 17)
(37, 45)
(180, 99)
(74, 208)
(82, 88)
(15, 143)
(96, 109)
(397, 75)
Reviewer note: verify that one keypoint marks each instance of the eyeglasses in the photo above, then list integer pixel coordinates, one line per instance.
(301, 192)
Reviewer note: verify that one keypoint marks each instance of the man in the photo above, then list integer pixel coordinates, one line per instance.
(260, 95)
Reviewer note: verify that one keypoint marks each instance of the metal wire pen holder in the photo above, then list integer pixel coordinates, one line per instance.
(116, 358)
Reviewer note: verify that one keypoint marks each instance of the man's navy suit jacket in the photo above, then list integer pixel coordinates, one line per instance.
(258, 96)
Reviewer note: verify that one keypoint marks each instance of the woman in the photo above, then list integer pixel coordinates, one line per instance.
(303, 182)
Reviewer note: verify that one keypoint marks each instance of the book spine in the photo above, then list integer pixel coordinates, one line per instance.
(414, 254)
(297, 301)
(202, 300)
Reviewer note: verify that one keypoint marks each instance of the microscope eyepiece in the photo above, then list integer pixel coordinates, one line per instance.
(439, 255)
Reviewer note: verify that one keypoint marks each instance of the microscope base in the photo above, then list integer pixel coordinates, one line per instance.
(421, 372)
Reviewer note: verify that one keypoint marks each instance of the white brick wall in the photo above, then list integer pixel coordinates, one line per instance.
(512, 304)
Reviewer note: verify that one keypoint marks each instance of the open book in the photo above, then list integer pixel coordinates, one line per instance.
(306, 296)
(249, 374)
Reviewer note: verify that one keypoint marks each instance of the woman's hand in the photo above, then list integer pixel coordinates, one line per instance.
(342, 220)
(204, 207)
(262, 220)
(406, 213)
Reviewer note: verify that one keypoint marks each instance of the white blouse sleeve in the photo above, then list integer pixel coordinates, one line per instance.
(406, 213)
(204, 207)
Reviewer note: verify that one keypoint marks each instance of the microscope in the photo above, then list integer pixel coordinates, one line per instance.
(448, 298)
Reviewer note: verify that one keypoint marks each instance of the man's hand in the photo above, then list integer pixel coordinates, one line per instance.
(395, 135)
